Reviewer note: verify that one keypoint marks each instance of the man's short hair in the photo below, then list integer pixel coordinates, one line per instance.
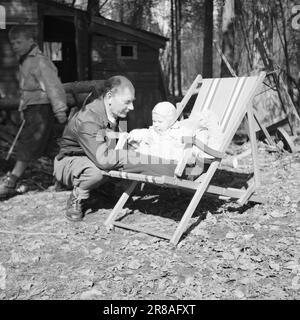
(114, 83)
(29, 32)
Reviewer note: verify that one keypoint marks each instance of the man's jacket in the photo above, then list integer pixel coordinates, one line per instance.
(39, 83)
(87, 134)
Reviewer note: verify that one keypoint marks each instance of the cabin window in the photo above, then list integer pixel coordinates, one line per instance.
(127, 51)
(53, 50)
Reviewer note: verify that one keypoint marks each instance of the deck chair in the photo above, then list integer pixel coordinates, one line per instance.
(230, 100)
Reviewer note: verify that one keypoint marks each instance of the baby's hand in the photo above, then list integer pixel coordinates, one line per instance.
(122, 140)
(134, 135)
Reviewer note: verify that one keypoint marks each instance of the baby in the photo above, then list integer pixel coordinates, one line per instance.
(164, 138)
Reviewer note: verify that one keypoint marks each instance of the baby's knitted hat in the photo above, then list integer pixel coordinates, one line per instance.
(166, 110)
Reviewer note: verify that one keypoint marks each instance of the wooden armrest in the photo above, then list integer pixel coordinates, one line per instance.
(205, 148)
(183, 161)
(122, 140)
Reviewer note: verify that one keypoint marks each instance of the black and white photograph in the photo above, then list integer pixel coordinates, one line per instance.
(149, 151)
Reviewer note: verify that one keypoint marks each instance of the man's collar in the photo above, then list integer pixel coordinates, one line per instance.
(109, 115)
(98, 106)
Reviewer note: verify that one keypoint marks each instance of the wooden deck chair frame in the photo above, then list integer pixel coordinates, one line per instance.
(232, 99)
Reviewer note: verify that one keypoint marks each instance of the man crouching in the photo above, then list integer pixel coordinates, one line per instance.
(85, 151)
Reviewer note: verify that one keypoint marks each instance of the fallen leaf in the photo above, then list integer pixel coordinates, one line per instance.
(135, 242)
(117, 278)
(248, 236)
(134, 264)
(26, 285)
(231, 235)
(296, 283)
(87, 283)
(35, 258)
(228, 256)
(97, 251)
(246, 264)
(189, 281)
(86, 272)
(257, 226)
(211, 219)
(292, 265)
(275, 266)
(153, 265)
(2, 277)
(256, 258)
(246, 280)
(198, 231)
(239, 294)
(276, 214)
(162, 284)
(274, 228)
(88, 295)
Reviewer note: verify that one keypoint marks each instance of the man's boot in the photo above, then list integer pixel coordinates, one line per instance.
(8, 186)
(75, 208)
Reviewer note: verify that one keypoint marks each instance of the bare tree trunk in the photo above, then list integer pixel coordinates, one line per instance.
(121, 10)
(136, 19)
(178, 44)
(244, 33)
(208, 38)
(172, 49)
(93, 8)
(228, 37)
(285, 50)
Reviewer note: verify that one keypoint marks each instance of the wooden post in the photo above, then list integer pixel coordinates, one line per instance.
(125, 196)
(252, 137)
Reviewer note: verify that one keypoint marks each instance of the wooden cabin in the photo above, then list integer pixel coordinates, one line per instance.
(87, 50)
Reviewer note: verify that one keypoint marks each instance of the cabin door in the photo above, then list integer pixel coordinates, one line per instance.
(59, 46)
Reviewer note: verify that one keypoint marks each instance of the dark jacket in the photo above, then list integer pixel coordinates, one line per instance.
(87, 133)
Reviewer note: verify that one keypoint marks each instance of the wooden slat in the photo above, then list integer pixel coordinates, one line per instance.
(244, 198)
(253, 143)
(142, 230)
(162, 180)
(263, 128)
(231, 193)
(183, 161)
(119, 205)
(193, 204)
(273, 127)
(137, 177)
(188, 95)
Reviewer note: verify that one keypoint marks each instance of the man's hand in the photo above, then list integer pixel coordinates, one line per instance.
(134, 136)
(61, 117)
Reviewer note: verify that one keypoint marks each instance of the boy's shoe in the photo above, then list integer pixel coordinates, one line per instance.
(75, 208)
(8, 186)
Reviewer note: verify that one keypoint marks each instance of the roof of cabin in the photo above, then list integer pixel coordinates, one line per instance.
(152, 39)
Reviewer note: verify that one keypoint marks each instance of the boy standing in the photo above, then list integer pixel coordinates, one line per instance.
(42, 98)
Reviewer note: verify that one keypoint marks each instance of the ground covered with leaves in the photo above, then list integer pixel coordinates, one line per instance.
(229, 252)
